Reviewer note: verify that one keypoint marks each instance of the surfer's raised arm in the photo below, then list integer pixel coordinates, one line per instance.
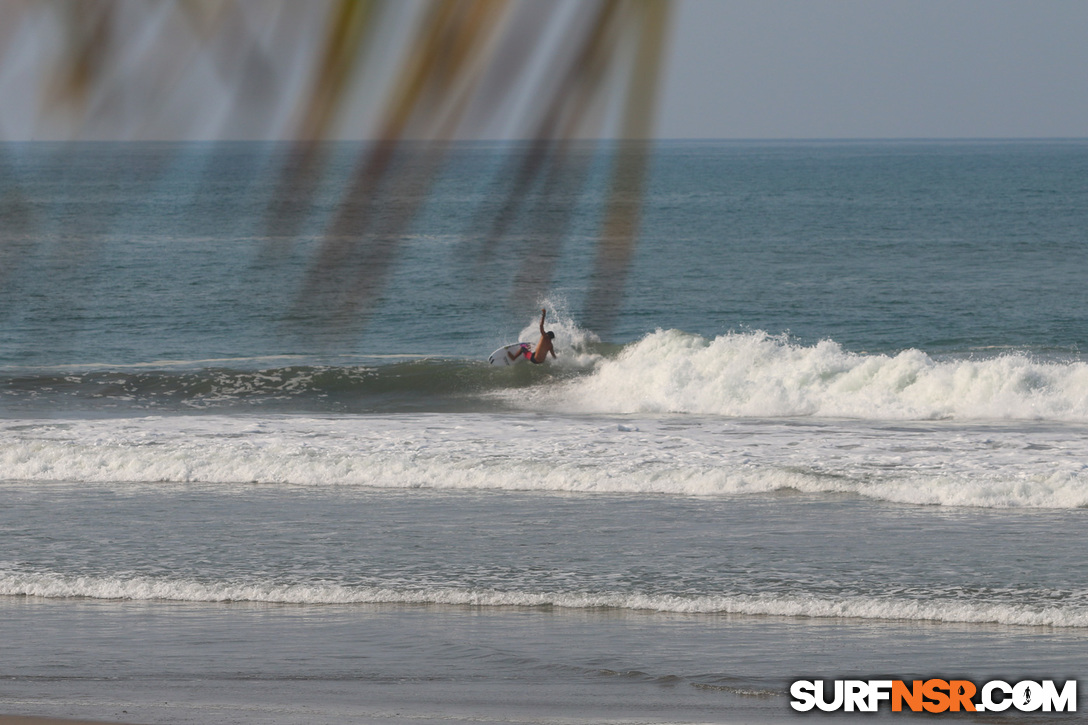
(540, 354)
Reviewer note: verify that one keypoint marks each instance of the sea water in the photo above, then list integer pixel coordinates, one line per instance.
(835, 426)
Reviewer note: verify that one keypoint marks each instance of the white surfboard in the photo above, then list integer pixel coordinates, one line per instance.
(502, 355)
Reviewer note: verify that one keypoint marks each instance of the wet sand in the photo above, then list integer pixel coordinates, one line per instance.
(26, 720)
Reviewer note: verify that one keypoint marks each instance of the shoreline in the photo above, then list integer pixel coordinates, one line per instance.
(41, 720)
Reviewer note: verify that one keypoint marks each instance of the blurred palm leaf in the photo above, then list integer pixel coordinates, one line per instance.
(554, 74)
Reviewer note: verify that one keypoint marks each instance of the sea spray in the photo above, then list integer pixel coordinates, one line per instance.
(576, 348)
(759, 375)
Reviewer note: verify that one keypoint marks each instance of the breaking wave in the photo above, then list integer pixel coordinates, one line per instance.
(759, 375)
(138, 588)
(941, 464)
(753, 375)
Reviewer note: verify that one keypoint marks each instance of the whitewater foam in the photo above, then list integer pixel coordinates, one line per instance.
(139, 588)
(943, 464)
(758, 375)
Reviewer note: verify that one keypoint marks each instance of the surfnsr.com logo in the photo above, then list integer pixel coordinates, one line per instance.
(933, 696)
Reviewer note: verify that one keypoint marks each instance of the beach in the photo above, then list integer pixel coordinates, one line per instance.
(25, 720)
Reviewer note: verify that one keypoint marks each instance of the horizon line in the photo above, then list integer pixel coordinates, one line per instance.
(666, 139)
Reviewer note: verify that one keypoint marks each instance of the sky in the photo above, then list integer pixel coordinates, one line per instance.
(734, 69)
(876, 69)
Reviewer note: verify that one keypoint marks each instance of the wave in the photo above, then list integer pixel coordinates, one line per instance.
(759, 375)
(739, 375)
(55, 586)
(988, 466)
(430, 383)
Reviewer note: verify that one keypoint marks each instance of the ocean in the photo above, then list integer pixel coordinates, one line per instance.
(831, 423)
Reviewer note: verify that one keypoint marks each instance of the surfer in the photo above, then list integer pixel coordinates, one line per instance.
(539, 354)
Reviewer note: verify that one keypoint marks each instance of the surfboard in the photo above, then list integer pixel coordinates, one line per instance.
(500, 356)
